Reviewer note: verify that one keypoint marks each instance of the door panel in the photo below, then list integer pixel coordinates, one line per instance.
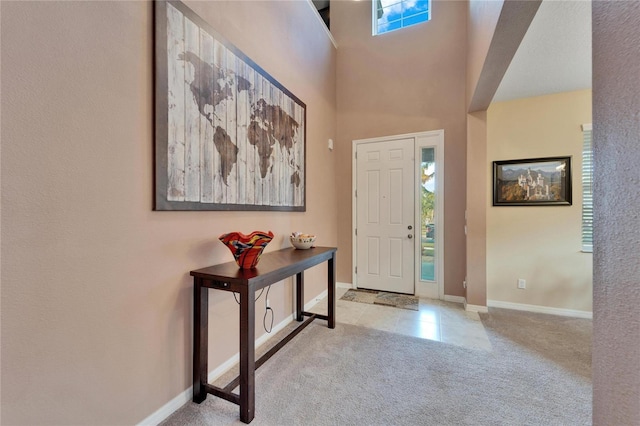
(385, 215)
(373, 254)
(395, 261)
(373, 204)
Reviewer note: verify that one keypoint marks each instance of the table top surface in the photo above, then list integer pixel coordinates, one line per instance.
(287, 262)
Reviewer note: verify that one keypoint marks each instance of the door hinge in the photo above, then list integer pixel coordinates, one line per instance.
(356, 232)
(356, 155)
(356, 269)
(356, 193)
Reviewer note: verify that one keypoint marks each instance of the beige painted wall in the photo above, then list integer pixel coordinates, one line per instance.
(402, 82)
(539, 244)
(494, 31)
(482, 19)
(476, 219)
(96, 296)
(481, 24)
(616, 272)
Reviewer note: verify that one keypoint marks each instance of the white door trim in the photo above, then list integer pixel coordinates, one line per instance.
(421, 139)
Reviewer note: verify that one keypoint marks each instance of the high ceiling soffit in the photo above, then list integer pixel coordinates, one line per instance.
(555, 53)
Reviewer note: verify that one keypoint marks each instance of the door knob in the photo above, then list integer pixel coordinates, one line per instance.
(410, 236)
(409, 227)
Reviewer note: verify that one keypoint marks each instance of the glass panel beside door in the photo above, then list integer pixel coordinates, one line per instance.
(428, 218)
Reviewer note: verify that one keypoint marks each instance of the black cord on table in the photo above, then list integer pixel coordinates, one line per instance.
(266, 309)
(259, 296)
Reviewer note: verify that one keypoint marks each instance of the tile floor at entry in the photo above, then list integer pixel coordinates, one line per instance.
(437, 320)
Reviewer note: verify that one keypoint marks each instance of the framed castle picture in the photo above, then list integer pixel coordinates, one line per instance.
(532, 182)
(228, 136)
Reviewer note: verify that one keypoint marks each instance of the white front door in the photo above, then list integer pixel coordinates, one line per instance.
(385, 215)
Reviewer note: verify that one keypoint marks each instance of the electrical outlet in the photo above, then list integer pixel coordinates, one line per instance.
(464, 284)
(522, 283)
(268, 304)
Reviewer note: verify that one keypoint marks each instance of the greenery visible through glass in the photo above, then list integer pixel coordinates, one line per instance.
(428, 232)
(395, 14)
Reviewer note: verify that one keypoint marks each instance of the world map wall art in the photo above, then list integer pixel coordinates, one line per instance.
(228, 135)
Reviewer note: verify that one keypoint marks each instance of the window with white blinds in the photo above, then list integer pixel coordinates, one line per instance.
(587, 188)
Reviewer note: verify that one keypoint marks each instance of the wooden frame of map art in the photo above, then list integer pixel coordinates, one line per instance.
(228, 135)
(532, 182)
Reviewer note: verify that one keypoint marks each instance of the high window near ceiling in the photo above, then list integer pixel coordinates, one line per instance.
(390, 15)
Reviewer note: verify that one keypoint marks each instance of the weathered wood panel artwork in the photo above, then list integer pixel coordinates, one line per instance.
(228, 135)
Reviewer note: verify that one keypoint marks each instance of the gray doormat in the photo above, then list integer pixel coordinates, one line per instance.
(403, 301)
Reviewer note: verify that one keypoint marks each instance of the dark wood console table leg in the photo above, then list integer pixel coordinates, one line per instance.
(299, 295)
(247, 354)
(224, 277)
(331, 278)
(200, 340)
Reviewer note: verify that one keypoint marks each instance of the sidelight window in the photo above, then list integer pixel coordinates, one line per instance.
(428, 229)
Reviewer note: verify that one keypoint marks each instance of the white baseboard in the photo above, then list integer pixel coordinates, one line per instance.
(467, 307)
(426, 290)
(167, 409)
(476, 308)
(344, 285)
(170, 407)
(540, 309)
(454, 299)
(311, 303)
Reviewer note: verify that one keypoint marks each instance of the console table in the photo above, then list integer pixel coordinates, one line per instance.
(273, 267)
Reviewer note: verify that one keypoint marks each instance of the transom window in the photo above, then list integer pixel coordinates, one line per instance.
(389, 15)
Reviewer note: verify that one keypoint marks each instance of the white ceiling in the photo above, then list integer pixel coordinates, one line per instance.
(555, 53)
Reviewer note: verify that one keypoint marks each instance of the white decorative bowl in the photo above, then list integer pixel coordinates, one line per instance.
(303, 242)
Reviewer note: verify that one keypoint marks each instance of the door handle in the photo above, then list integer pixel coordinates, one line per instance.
(410, 236)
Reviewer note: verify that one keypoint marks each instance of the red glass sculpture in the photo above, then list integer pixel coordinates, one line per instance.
(246, 249)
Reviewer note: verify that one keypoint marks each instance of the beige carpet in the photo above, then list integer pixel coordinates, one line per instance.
(538, 373)
(396, 300)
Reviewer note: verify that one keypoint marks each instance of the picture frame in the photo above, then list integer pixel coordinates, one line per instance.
(532, 182)
(228, 136)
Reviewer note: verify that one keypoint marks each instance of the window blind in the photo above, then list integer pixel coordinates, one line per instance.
(587, 188)
(389, 15)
